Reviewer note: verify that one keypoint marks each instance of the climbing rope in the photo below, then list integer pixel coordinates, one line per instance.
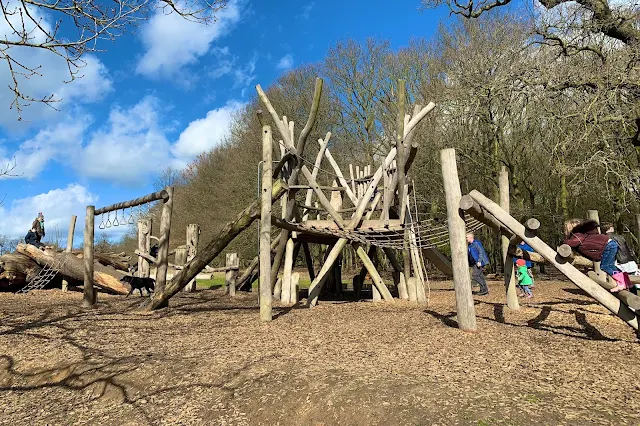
(44, 277)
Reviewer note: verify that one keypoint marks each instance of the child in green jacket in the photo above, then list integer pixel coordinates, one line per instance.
(524, 279)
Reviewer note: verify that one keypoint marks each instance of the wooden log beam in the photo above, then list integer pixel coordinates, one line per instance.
(578, 278)
(574, 259)
(160, 195)
(373, 272)
(144, 246)
(147, 257)
(17, 269)
(217, 244)
(232, 273)
(457, 231)
(468, 204)
(163, 244)
(625, 296)
(89, 297)
(70, 232)
(507, 259)
(193, 238)
(72, 267)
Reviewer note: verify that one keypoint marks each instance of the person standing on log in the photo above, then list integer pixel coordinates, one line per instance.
(478, 259)
(625, 258)
(38, 227)
(585, 238)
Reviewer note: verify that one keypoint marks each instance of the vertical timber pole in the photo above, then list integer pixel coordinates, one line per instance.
(265, 227)
(144, 246)
(89, 294)
(193, 237)
(163, 246)
(509, 277)
(593, 215)
(459, 261)
(638, 231)
(72, 230)
(231, 274)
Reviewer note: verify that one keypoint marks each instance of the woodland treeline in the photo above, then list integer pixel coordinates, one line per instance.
(562, 118)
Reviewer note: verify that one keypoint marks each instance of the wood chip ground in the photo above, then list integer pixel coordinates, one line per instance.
(207, 360)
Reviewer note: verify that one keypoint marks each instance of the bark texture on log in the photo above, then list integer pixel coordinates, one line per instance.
(103, 277)
(17, 270)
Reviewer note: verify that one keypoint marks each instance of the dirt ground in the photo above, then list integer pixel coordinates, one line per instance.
(207, 360)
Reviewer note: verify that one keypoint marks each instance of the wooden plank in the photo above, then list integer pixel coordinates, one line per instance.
(316, 168)
(466, 313)
(160, 195)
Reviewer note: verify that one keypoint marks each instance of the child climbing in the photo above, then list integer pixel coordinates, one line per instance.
(524, 279)
(586, 239)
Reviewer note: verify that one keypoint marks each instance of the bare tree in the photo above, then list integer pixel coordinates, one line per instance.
(70, 29)
(589, 16)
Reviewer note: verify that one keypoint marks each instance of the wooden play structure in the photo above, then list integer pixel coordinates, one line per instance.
(373, 210)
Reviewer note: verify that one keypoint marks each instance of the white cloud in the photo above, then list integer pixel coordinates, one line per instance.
(60, 141)
(285, 63)
(205, 133)
(58, 205)
(128, 149)
(306, 12)
(132, 145)
(172, 42)
(52, 72)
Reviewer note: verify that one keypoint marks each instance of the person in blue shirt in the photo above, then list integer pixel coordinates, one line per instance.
(529, 264)
(478, 259)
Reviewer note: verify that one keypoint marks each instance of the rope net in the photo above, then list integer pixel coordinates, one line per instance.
(428, 233)
(44, 277)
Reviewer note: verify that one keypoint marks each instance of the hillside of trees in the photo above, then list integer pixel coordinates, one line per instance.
(563, 121)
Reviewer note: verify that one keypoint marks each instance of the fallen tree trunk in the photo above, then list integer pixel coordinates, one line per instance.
(70, 266)
(117, 260)
(17, 270)
(216, 245)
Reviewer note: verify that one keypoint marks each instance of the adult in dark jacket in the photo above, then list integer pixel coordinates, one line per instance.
(585, 238)
(38, 226)
(478, 259)
(32, 238)
(625, 258)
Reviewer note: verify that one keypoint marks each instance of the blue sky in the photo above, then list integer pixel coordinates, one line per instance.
(164, 95)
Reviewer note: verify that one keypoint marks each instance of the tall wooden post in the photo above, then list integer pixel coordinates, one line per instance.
(265, 227)
(593, 215)
(193, 237)
(163, 246)
(459, 261)
(638, 231)
(509, 276)
(231, 274)
(144, 246)
(89, 296)
(72, 230)
(285, 294)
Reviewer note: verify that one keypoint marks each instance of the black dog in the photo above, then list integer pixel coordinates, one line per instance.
(148, 284)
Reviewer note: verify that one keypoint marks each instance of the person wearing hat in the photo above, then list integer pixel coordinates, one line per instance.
(38, 227)
(524, 279)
